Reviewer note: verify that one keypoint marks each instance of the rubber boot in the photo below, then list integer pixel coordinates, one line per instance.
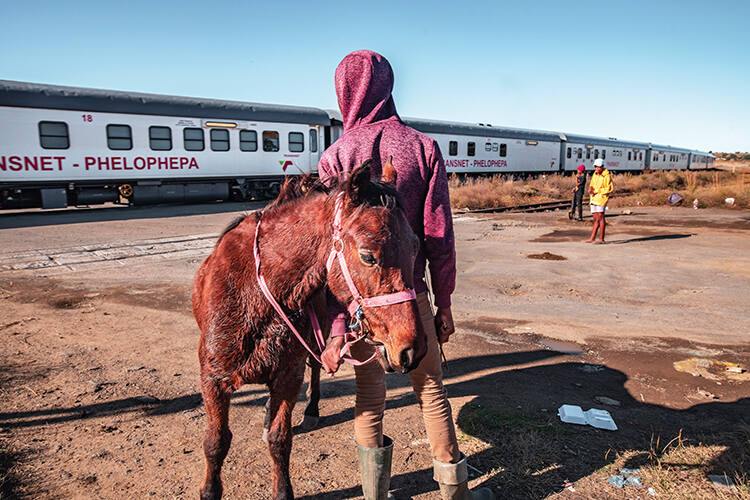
(375, 469)
(454, 482)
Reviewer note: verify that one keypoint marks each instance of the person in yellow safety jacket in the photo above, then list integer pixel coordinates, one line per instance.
(600, 188)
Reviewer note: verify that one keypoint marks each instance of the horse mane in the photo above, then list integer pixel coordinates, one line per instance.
(298, 187)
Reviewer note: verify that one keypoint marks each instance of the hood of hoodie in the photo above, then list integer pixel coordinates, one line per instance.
(364, 81)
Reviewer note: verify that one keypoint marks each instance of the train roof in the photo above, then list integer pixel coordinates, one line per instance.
(460, 128)
(36, 95)
(605, 141)
(674, 149)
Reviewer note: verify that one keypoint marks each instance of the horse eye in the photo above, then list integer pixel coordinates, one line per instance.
(367, 259)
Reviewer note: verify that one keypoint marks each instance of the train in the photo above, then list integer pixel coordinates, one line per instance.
(69, 146)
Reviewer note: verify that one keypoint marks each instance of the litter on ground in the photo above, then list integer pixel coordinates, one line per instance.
(674, 199)
(627, 477)
(712, 369)
(600, 419)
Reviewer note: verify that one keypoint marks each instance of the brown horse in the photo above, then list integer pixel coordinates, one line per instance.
(243, 340)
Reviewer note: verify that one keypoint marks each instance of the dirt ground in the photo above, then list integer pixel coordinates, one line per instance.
(99, 370)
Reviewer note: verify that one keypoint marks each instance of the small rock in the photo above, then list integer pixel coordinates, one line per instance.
(88, 479)
(707, 395)
(606, 401)
(591, 368)
(721, 481)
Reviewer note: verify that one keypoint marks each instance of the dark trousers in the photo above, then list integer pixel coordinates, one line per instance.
(577, 202)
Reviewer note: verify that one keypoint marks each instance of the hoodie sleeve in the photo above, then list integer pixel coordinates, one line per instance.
(439, 243)
(325, 170)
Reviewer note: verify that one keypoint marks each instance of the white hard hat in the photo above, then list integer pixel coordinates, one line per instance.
(598, 162)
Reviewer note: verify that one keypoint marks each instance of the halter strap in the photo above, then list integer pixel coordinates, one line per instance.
(356, 305)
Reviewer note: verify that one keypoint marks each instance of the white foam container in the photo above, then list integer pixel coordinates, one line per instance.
(600, 419)
(572, 414)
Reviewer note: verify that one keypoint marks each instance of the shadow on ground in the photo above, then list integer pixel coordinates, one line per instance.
(528, 452)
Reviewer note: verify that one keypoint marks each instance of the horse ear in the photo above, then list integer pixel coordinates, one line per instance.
(389, 172)
(358, 182)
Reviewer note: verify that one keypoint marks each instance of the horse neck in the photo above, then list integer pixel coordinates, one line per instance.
(295, 240)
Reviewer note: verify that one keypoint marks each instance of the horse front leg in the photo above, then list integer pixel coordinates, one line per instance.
(218, 437)
(312, 410)
(284, 392)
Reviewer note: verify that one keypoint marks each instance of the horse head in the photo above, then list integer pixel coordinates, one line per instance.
(379, 248)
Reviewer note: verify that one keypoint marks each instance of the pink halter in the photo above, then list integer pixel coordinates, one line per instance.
(356, 305)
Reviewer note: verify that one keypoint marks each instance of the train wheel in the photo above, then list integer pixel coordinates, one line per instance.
(126, 190)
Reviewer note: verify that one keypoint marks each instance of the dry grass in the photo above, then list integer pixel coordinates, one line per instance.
(530, 458)
(650, 189)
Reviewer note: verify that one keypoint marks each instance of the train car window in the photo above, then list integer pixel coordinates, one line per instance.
(248, 140)
(488, 147)
(296, 142)
(604, 154)
(270, 141)
(494, 147)
(119, 137)
(453, 148)
(580, 153)
(54, 135)
(160, 138)
(588, 154)
(313, 141)
(193, 139)
(471, 149)
(596, 154)
(503, 150)
(568, 152)
(219, 139)
(630, 154)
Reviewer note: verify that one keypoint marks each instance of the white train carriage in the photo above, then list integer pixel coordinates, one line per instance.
(700, 160)
(483, 149)
(66, 145)
(486, 149)
(667, 158)
(617, 155)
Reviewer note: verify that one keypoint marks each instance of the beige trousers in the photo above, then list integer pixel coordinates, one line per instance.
(427, 381)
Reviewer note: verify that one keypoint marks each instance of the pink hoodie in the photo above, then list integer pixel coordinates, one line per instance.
(373, 129)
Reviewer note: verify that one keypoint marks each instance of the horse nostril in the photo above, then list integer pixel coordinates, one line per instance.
(407, 358)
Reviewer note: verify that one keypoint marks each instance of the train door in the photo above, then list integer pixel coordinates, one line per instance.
(314, 147)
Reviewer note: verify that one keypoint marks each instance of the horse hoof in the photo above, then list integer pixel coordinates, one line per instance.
(265, 435)
(309, 422)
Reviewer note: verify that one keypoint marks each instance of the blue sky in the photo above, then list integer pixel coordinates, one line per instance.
(668, 72)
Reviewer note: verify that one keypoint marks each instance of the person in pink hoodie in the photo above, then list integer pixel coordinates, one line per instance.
(374, 131)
